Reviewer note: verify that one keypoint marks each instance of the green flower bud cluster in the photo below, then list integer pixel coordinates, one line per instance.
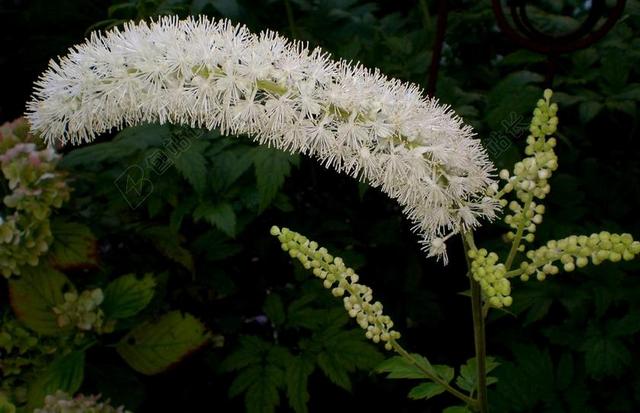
(576, 252)
(35, 189)
(61, 402)
(343, 282)
(82, 311)
(491, 276)
(530, 176)
(21, 352)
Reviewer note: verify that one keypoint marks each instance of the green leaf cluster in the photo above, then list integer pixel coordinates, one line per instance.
(320, 342)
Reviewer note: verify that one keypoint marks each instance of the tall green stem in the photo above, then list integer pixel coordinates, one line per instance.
(292, 24)
(518, 236)
(478, 329)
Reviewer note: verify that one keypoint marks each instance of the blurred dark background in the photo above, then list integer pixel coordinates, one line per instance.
(570, 344)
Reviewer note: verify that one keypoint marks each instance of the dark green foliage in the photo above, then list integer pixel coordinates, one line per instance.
(325, 344)
(64, 373)
(467, 379)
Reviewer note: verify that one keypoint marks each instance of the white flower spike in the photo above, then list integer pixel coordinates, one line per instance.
(214, 74)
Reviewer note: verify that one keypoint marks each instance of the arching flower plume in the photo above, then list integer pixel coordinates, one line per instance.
(214, 74)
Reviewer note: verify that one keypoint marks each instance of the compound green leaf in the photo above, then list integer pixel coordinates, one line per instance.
(467, 380)
(220, 215)
(334, 369)
(297, 375)
(168, 242)
(272, 167)
(262, 395)
(192, 165)
(426, 391)
(398, 367)
(274, 309)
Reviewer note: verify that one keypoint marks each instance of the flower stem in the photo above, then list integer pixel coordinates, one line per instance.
(478, 329)
(518, 237)
(292, 24)
(433, 376)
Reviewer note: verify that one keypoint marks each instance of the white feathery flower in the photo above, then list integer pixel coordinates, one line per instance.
(213, 74)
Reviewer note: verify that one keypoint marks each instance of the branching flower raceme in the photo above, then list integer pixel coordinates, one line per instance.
(214, 74)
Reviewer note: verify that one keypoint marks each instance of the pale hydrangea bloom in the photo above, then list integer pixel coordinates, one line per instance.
(214, 74)
(61, 402)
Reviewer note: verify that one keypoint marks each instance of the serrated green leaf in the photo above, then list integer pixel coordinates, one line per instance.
(244, 379)
(152, 347)
(126, 296)
(73, 245)
(445, 372)
(589, 110)
(34, 295)
(251, 350)
(398, 367)
(467, 380)
(262, 396)
(297, 374)
(220, 215)
(278, 356)
(626, 106)
(168, 242)
(626, 326)
(65, 373)
(299, 314)
(145, 135)
(605, 356)
(631, 91)
(352, 347)
(183, 208)
(98, 152)
(527, 381)
(215, 246)
(272, 167)
(425, 391)
(274, 309)
(334, 369)
(228, 165)
(192, 165)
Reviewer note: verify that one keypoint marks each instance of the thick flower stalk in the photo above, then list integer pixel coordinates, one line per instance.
(214, 74)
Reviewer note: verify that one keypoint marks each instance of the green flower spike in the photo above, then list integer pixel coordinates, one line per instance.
(343, 282)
